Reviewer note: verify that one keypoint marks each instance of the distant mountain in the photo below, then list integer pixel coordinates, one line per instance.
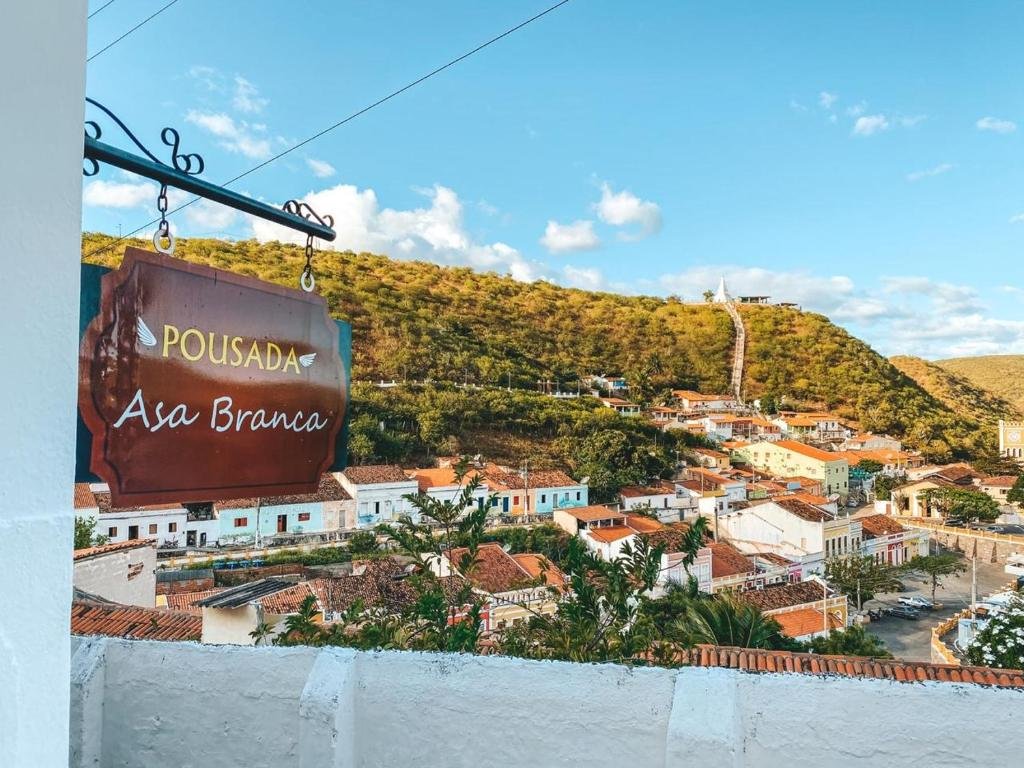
(957, 391)
(418, 320)
(1002, 375)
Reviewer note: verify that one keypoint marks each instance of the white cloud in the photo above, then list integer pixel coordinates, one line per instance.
(858, 109)
(938, 170)
(210, 78)
(433, 233)
(207, 217)
(996, 125)
(588, 279)
(621, 209)
(909, 121)
(947, 298)
(115, 194)
(234, 137)
(796, 106)
(1017, 218)
(826, 100)
(320, 168)
(247, 97)
(868, 125)
(567, 238)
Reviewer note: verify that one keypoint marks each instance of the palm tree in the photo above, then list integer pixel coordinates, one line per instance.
(301, 628)
(261, 634)
(724, 620)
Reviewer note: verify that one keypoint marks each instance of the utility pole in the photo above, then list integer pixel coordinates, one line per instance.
(259, 535)
(526, 486)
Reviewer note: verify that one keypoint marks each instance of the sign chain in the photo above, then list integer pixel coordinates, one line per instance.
(307, 281)
(163, 228)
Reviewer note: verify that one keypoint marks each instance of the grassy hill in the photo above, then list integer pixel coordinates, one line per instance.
(957, 391)
(417, 320)
(1002, 375)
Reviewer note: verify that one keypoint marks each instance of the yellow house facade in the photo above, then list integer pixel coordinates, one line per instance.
(788, 458)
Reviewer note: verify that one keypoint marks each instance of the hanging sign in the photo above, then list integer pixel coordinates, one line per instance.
(199, 384)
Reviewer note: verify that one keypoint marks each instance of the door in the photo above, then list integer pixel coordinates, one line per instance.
(133, 532)
(282, 523)
(190, 538)
(504, 505)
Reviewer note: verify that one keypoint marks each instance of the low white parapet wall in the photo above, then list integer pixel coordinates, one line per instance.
(184, 705)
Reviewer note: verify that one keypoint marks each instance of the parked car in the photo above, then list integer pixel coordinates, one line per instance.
(916, 602)
(905, 612)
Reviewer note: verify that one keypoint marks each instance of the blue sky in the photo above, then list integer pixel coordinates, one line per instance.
(864, 160)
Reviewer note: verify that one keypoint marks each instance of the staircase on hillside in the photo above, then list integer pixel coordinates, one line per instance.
(722, 297)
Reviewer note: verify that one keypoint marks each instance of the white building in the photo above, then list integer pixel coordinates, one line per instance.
(441, 484)
(163, 523)
(885, 540)
(793, 529)
(380, 492)
(122, 573)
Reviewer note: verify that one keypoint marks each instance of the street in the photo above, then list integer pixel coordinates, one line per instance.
(911, 640)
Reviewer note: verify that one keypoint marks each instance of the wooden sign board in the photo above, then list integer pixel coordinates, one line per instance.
(198, 384)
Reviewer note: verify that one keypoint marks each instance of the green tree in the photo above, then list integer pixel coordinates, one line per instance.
(935, 567)
(1016, 494)
(769, 404)
(729, 620)
(85, 533)
(300, 628)
(261, 634)
(884, 485)
(708, 295)
(1000, 643)
(963, 504)
(852, 641)
(363, 543)
(861, 577)
(870, 466)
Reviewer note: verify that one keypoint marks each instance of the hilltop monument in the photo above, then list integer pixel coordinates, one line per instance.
(722, 294)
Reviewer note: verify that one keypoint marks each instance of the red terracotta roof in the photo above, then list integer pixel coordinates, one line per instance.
(374, 474)
(113, 620)
(103, 549)
(104, 504)
(642, 524)
(550, 478)
(805, 621)
(84, 497)
(879, 525)
(1000, 481)
(610, 533)
(184, 602)
(329, 490)
(493, 570)
(802, 509)
(592, 513)
(637, 491)
(807, 450)
(726, 560)
(756, 660)
(785, 595)
(539, 567)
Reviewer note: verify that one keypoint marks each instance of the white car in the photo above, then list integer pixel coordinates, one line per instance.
(916, 602)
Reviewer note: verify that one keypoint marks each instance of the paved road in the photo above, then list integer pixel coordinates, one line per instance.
(911, 640)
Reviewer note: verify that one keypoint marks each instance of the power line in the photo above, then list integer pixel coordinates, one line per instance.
(342, 122)
(122, 37)
(100, 8)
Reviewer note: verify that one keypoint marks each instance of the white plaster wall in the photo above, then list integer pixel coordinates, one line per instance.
(231, 626)
(107, 576)
(42, 79)
(283, 707)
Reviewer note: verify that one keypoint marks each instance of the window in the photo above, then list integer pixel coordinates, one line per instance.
(172, 527)
(376, 507)
(578, 497)
(303, 517)
(111, 533)
(241, 522)
(543, 498)
(515, 500)
(152, 529)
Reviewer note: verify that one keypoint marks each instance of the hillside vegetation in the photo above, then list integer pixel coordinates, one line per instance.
(1002, 375)
(957, 391)
(417, 320)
